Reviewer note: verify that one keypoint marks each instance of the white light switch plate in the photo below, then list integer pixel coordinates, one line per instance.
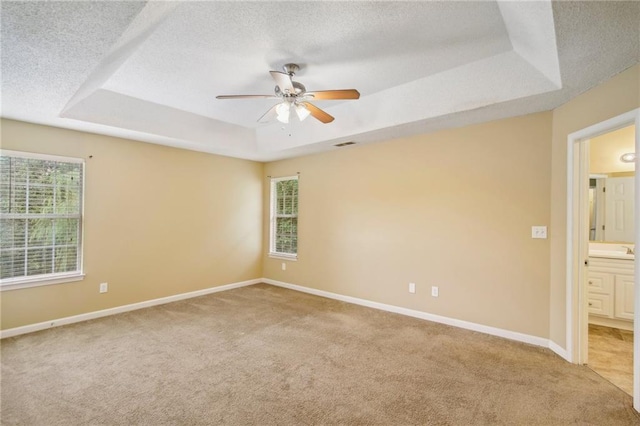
(412, 287)
(538, 232)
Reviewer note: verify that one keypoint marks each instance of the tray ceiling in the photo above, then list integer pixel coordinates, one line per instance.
(150, 71)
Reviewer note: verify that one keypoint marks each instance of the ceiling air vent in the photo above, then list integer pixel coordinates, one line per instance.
(340, 145)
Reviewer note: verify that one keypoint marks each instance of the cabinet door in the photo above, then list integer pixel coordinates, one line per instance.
(624, 300)
(600, 304)
(600, 282)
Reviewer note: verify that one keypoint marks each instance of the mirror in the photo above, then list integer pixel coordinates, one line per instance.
(611, 187)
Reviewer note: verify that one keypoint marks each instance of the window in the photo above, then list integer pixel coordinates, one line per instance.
(40, 219)
(283, 240)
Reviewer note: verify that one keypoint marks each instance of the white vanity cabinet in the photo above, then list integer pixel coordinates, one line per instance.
(610, 292)
(600, 293)
(623, 291)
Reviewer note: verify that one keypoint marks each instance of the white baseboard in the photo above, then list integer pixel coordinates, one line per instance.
(512, 335)
(559, 350)
(610, 322)
(120, 309)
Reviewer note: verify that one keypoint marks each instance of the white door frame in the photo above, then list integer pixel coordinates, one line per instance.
(578, 241)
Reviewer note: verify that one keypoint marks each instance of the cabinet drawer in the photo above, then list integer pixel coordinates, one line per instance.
(600, 304)
(600, 282)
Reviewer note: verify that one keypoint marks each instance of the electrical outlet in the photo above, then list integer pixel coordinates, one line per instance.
(412, 287)
(434, 291)
(539, 232)
(284, 266)
(104, 287)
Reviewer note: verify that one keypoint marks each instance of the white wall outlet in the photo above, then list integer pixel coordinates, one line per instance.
(434, 291)
(538, 232)
(412, 287)
(104, 287)
(284, 266)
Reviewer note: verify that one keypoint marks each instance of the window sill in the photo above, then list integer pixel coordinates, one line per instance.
(37, 281)
(283, 256)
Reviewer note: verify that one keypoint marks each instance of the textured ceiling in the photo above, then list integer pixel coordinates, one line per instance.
(150, 71)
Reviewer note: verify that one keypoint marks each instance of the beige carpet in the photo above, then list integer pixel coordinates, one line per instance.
(262, 355)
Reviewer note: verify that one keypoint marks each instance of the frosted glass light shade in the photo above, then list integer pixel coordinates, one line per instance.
(302, 112)
(283, 110)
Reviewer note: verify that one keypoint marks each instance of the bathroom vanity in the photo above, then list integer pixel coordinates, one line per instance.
(610, 286)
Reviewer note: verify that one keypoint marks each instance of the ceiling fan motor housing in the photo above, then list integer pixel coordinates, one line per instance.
(298, 88)
(291, 69)
(294, 96)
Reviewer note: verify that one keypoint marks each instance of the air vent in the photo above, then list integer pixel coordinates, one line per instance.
(340, 145)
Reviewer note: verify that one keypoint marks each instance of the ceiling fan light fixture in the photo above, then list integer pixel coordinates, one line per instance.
(302, 112)
(284, 111)
(294, 95)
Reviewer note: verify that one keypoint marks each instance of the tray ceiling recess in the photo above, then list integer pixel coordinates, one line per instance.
(151, 71)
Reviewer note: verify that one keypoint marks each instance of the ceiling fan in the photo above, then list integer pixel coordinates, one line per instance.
(295, 97)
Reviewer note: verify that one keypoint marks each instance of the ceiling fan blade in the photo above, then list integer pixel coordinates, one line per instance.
(317, 113)
(335, 94)
(269, 115)
(246, 97)
(283, 80)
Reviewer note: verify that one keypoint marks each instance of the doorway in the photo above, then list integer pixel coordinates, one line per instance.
(583, 222)
(611, 252)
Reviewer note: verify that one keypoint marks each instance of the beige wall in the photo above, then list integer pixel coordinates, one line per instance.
(605, 151)
(158, 221)
(452, 209)
(614, 97)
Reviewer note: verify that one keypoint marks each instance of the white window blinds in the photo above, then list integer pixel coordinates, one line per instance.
(284, 217)
(40, 215)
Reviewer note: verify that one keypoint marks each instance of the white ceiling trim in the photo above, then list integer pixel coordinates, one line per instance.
(150, 70)
(126, 112)
(533, 36)
(140, 29)
(498, 78)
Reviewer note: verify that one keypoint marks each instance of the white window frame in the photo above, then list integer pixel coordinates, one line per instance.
(53, 278)
(273, 217)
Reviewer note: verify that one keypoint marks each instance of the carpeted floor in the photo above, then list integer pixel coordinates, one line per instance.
(263, 355)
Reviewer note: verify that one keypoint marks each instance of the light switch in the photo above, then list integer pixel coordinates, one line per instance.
(538, 232)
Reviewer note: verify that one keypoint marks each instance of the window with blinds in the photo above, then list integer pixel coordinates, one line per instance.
(40, 216)
(283, 241)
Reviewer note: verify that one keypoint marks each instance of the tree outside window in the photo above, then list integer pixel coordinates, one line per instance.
(40, 216)
(284, 216)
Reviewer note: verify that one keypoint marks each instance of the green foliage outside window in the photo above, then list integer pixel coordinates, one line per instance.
(286, 216)
(40, 216)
